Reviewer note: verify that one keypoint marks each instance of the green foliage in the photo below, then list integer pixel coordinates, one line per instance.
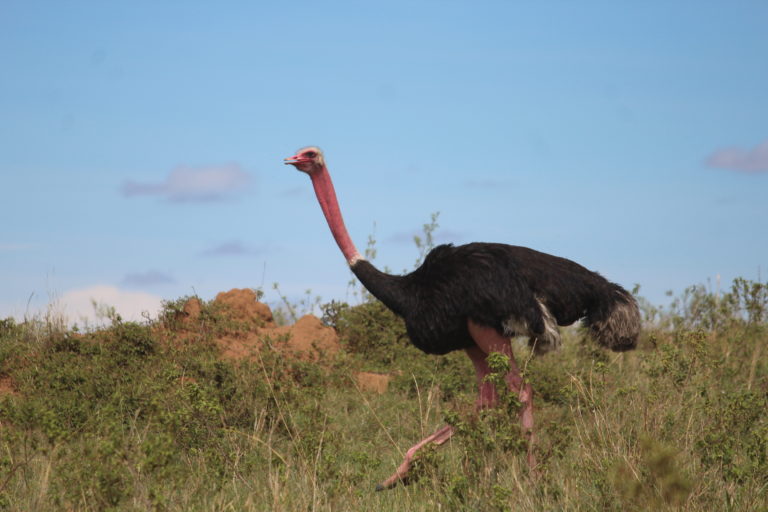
(130, 418)
(427, 242)
(751, 298)
(289, 312)
(700, 308)
(659, 481)
(735, 440)
(147, 416)
(368, 329)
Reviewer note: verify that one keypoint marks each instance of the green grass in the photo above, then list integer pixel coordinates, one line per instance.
(146, 417)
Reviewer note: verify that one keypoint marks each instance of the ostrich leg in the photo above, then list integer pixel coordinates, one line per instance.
(488, 340)
(441, 436)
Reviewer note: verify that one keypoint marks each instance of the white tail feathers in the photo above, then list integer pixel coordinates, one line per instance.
(617, 323)
(541, 343)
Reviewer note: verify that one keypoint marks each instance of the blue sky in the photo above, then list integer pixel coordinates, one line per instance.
(141, 142)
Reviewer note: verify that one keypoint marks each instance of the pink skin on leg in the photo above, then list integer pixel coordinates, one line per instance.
(488, 397)
(441, 436)
(488, 340)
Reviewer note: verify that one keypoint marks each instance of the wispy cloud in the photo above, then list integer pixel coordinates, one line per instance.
(193, 184)
(233, 248)
(149, 278)
(87, 304)
(738, 159)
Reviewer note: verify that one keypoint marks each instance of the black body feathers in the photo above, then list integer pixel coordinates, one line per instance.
(516, 290)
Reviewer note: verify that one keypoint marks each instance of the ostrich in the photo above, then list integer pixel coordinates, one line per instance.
(475, 297)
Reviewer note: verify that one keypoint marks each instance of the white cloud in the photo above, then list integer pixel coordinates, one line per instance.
(739, 159)
(77, 306)
(198, 184)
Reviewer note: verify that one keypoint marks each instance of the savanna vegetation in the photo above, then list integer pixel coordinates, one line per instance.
(148, 416)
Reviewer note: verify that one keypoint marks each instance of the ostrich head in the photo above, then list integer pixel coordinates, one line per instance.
(308, 160)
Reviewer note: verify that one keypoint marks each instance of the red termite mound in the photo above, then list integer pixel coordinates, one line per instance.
(245, 325)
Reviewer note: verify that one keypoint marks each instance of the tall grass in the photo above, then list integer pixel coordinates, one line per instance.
(146, 416)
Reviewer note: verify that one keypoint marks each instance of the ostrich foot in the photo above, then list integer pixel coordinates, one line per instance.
(401, 473)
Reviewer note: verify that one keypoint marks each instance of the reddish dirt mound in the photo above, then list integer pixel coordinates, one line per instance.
(243, 305)
(253, 325)
(308, 334)
(306, 339)
(191, 311)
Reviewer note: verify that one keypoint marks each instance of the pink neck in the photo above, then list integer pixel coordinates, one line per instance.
(326, 196)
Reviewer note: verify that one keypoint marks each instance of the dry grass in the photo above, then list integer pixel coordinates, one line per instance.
(115, 420)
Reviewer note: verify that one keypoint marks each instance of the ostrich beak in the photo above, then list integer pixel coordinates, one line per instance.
(296, 159)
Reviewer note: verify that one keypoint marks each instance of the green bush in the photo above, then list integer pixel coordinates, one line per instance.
(149, 417)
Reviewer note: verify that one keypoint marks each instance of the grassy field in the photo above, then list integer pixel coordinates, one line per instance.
(149, 417)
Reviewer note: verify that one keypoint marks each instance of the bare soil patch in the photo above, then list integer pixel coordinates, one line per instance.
(373, 382)
(6, 386)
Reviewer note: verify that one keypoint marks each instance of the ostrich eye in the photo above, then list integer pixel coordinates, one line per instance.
(310, 154)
